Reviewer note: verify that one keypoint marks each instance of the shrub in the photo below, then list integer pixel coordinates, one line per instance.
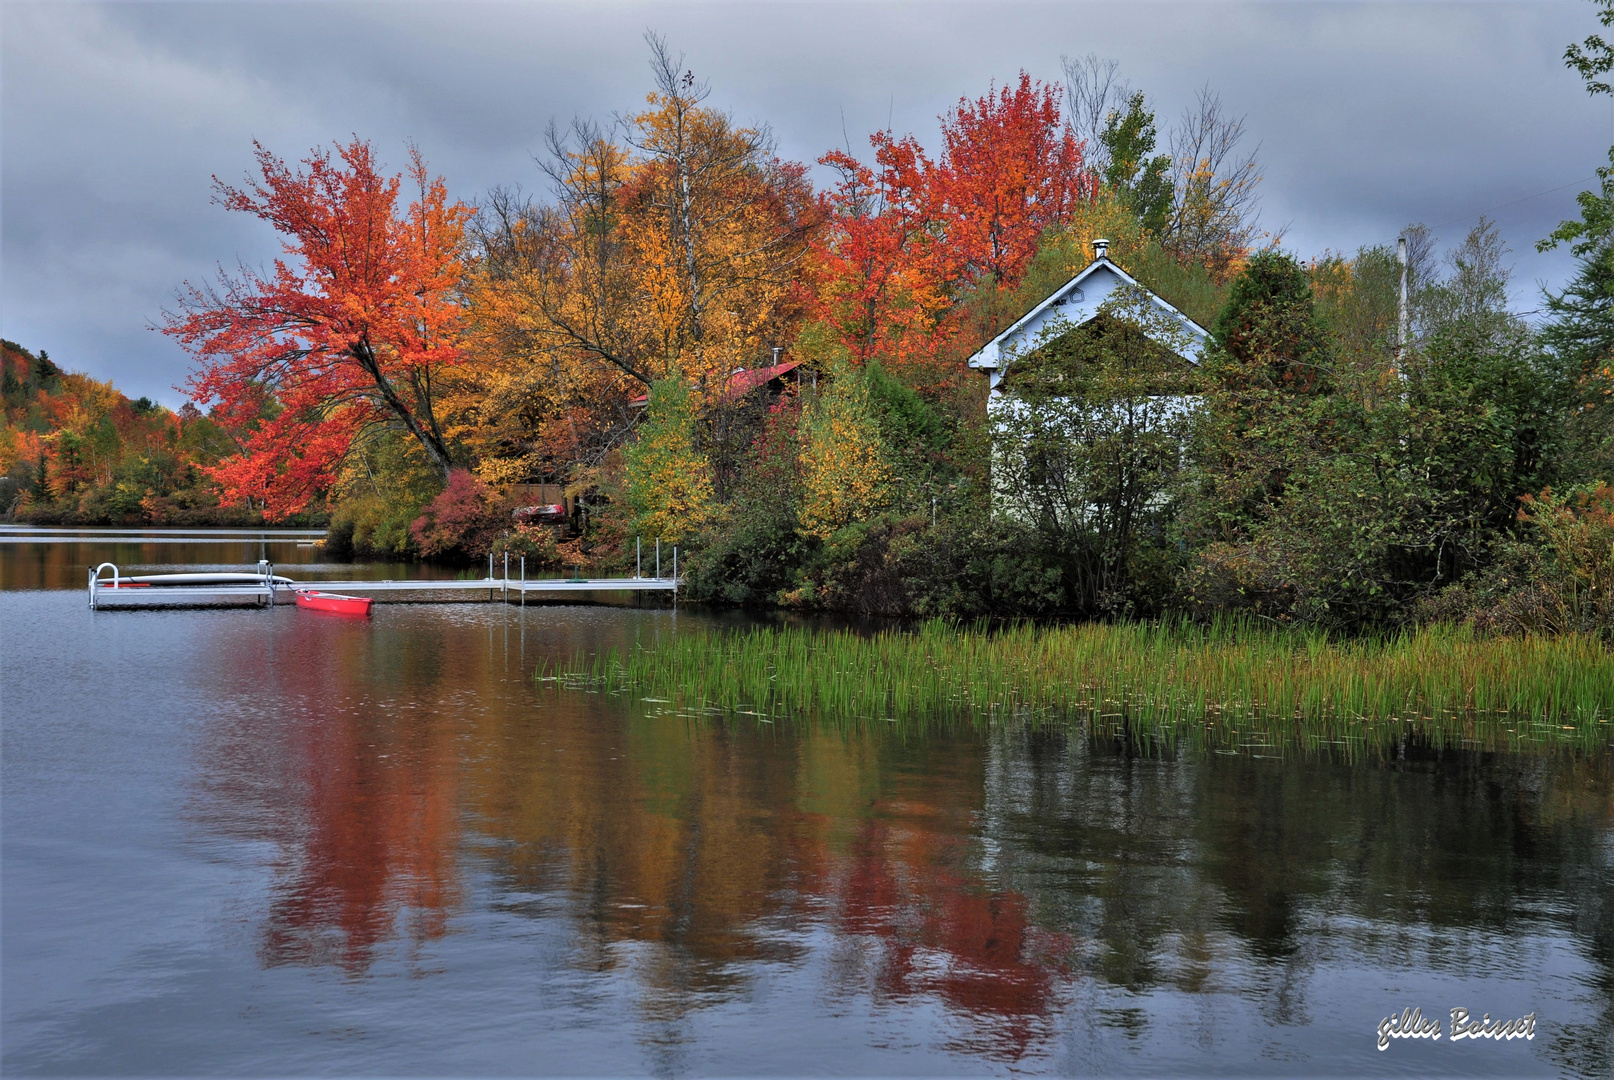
(535, 543)
(464, 523)
(371, 526)
(339, 539)
(749, 560)
(1575, 533)
(752, 553)
(967, 567)
(1558, 578)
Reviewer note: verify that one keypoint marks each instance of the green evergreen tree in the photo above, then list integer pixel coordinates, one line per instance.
(1267, 372)
(1580, 326)
(916, 438)
(1581, 317)
(1580, 335)
(1268, 333)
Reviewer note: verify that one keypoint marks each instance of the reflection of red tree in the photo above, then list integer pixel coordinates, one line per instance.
(375, 814)
(689, 840)
(943, 932)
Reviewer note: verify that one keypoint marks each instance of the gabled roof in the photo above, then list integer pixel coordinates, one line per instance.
(743, 382)
(1102, 278)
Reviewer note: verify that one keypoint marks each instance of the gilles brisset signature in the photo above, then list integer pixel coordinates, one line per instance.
(1413, 1024)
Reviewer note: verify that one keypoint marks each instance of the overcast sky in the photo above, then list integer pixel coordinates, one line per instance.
(115, 116)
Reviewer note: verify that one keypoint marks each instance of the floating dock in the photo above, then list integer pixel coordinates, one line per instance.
(263, 588)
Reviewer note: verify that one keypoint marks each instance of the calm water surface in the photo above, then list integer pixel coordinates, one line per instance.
(64, 565)
(258, 842)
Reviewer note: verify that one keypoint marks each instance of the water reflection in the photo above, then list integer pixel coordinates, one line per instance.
(63, 565)
(1015, 879)
(325, 753)
(269, 841)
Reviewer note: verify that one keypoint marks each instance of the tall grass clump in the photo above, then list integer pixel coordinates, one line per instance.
(1228, 680)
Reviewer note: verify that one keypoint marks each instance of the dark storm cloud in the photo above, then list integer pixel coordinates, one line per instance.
(115, 117)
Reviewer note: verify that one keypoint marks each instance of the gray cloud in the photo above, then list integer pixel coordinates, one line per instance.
(114, 117)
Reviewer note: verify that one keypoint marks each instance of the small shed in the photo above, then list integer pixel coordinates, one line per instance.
(1072, 305)
(742, 381)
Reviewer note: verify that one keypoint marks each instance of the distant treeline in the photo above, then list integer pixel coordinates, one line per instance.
(73, 450)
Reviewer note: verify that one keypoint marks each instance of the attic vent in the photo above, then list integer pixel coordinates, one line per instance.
(1073, 297)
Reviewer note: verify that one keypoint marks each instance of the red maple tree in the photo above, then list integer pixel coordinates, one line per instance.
(352, 329)
(905, 239)
(1010, 169)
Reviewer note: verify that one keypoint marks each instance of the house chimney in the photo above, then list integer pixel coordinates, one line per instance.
(1101, 249)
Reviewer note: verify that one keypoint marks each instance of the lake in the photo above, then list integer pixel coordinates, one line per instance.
(271, 841)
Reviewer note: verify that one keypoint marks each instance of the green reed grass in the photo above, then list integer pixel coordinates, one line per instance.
(1228, 682)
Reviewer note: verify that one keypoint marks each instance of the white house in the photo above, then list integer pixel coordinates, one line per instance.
(1028, 480)
(1073, 304)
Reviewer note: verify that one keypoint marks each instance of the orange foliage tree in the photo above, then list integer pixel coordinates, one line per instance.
(876, 276)
(353, 330)
(75, 449)
(672, 247)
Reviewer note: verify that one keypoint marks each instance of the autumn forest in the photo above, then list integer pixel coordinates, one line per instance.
(671, 333)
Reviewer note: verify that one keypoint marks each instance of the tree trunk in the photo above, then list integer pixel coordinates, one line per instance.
(426, 436)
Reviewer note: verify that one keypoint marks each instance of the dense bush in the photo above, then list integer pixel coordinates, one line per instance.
(753, 552)
(464, 523)
(748, 561)
(1557, 577)
(534, 543)
(372, 527)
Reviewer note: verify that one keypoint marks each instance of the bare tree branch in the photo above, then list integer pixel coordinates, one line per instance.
(1093, 90)
(1215, 214)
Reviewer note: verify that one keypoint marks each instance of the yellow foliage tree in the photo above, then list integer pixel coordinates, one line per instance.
(1215, 210)
(845, 470)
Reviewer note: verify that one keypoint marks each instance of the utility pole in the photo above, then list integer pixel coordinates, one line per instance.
(1401, 331)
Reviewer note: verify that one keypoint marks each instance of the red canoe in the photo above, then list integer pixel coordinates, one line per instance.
(341, 605)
